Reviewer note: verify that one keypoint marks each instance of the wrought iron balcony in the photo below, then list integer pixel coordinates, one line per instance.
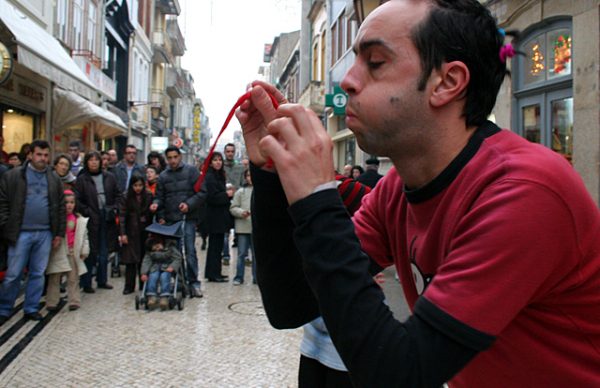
(176, 38)
(175, 83)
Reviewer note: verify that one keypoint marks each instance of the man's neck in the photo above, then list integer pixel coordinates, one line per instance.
(35, 169)
(418, 169)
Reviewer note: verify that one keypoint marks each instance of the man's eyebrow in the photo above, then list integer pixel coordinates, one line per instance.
(366, 44)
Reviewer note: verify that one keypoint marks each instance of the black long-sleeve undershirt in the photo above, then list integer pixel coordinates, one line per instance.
(323, 271)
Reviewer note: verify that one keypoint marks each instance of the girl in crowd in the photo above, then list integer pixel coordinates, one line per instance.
(240, 209)
(217, 217)
(62, 167)
(151, 179)
(68, 258)
(98, 197)
(134, 217)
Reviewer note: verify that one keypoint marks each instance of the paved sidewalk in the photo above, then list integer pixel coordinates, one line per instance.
(221, 340)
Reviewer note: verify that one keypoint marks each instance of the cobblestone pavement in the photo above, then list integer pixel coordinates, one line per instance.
(220, 340)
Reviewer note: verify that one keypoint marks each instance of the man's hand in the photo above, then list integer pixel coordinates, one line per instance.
(254, 115)
(169, 269)
(301, 150)
(246, 213)
(162, 221)
(144, 278)
(154, 207)
(56, 241)
(124, 240)
(183, 207)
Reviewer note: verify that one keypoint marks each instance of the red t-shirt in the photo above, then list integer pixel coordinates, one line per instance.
(511, 248)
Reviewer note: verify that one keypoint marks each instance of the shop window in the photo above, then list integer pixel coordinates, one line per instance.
(543, 86)
(17, 128)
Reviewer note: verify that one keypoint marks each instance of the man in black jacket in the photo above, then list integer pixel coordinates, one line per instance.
(371, 176)
(176, 198)
(126, 168)
(32, 221)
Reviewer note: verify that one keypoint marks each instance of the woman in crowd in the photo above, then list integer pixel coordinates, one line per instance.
(14, 160)
(218, 218)
(98, 197)
(240, 209)
(356, 172)
(134, 217)
(157, 160)
(62, 167)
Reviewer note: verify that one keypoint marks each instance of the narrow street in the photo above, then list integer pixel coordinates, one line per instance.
(220, 340)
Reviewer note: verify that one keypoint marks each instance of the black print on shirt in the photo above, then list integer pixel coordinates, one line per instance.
(421, 280)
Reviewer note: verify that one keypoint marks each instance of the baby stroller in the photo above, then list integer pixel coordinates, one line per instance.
(179, 287)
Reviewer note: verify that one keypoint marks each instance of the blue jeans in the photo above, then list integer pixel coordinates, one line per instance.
(100, 259)
(165, 283)
(226, 246)
(32, 250)
(191, 259)
(244, 243)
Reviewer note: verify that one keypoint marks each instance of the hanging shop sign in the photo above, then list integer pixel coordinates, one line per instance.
(6, 64)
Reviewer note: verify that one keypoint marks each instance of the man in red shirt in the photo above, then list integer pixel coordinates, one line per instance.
(495, 238)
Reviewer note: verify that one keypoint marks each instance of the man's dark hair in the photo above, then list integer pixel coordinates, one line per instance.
(229, 145)
(465, 31)
(75, 143)
(65, 157)
(41, 144)
(131, 146)
(13, 154)
(172, 148)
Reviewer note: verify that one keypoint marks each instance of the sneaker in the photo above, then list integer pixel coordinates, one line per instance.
(152, 302)
(237, 282)
(226, 261)
(196, 292)
(164, 303)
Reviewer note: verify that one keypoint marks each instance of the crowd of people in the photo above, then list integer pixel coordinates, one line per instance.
(64, 221)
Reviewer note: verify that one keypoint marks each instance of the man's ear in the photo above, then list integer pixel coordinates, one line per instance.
(451, 80)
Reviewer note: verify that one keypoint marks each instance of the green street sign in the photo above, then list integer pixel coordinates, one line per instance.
(337, 100)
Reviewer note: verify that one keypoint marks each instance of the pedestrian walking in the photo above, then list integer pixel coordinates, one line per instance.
(98, 198)
(32, 221)
(134, 217)
(68, 258)
(218, 200)
(176, 198)
(240, 210)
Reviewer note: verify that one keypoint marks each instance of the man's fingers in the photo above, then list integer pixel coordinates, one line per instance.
(263, 104)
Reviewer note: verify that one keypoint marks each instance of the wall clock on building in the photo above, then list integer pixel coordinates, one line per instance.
(6, 64)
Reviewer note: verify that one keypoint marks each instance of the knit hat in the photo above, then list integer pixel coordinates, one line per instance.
(351, 192)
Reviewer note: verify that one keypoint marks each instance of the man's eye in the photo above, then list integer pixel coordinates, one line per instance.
(374, 64)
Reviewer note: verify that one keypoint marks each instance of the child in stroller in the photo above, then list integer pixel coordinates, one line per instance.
(160, 264)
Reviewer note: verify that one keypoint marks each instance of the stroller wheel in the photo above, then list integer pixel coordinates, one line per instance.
(179, 304)
(137, 302)
(171, 302)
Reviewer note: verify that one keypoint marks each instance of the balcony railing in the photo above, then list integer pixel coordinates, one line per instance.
(168, 7)
(161, 100)
(175, 83)
(176, 37)
(162, 47)
(313, 97)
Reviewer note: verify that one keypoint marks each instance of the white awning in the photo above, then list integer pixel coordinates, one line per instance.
(70, 110)
(42, 53)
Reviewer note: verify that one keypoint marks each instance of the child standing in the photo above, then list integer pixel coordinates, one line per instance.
(160, 264)
(68, 258)
(240, 209)
(134, 217)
